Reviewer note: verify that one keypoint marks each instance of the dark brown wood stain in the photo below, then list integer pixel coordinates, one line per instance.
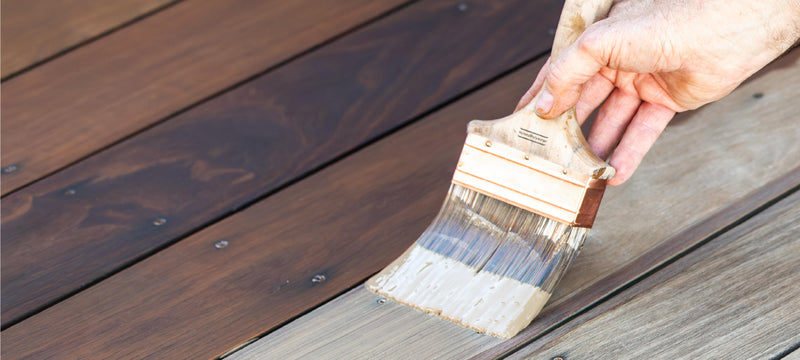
(236, 216)
(217, 157)
(33, 30)
(99, 93)
(194, 300)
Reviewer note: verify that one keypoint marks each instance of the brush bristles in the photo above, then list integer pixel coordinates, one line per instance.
(491, 235)
(483, 263)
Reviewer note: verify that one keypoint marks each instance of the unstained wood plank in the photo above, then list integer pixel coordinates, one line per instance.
(89, 98)
(99, 215)
(33, 30)
(704, 165)
(734, 298)
(350, 219)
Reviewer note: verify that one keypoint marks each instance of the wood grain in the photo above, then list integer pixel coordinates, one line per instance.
(343, 222)
(671, 197)
(91, 97)
(347, 327)
(366, 210)
(97, 216)
(407, 334)
(734, 298)
(33, 30)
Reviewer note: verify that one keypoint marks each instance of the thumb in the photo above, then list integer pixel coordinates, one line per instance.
(569, 71)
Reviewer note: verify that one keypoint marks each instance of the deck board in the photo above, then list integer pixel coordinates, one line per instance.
(97, 216)
(734, 298)
(241, 291)
(33, 30)
(237, 293)
(260, 210)
(665, 225)
(91, 97)
(232, 150)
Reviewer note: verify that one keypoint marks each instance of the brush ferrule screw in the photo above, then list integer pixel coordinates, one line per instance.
(318, 278)
(10, 169)
(221, 244)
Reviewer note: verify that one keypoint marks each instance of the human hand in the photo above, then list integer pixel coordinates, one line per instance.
(650, 59)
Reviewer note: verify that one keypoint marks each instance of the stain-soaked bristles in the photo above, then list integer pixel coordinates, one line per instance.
(491, 235)
(482, 263)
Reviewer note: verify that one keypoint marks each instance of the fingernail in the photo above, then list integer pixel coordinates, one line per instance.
(545, 103)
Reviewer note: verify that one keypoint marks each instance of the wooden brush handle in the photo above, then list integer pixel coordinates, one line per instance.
(576, 16)
(559, 140)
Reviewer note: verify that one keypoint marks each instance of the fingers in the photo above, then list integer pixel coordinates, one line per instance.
(611, 122)
(643, 130)
(594, 92)
(567, 74)
(537, 84)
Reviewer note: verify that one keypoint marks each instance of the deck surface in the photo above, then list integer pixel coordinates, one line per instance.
(176, 172)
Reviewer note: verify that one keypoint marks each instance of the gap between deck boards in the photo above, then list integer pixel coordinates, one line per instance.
(512, 64)
(66, 43)
(140, 132)
(317, 169)
(763, 199)
(651, 187)
(192, 55)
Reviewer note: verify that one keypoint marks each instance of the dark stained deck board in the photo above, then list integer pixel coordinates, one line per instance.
(196, 301)
(34, 30)
(736, 157)
(735, 297)
(241, 290)
(108, 89)
(96, 216)
(349, 219)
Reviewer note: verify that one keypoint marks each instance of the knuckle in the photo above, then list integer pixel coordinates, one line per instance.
(589, 42)
(592, 41)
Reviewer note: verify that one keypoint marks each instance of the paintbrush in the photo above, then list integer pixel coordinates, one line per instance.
(523, 197)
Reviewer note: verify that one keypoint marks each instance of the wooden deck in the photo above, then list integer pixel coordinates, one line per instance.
(182, 178)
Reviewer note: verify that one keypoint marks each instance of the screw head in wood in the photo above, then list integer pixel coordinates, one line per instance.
(318, 278)
(221, 244)
(488, 143)
(10, 169)
(159, 221)
(527, 157)
(564, 171)
(69, 192)
(381, 301)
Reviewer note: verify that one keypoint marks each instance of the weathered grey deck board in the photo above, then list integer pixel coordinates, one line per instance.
(382, 331)
(734, 298)
(705, 162)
